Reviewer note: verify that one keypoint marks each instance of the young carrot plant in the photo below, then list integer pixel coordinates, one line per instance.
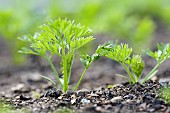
(61, 38)
(133, 64)
(161, 55)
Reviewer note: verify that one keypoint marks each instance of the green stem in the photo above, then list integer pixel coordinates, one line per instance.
(69, 71)
(54, 70)
(50, 81)
(152, 71)
(64, 60)
(81, 78)
(65, 88)
(129, 73)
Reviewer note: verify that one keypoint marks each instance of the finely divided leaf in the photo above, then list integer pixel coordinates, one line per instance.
(120, 53)
(27, 51)
(86, 59)
(161, 54)
(137, 66)
(77, 43)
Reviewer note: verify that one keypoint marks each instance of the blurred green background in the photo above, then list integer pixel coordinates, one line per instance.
(131, 21)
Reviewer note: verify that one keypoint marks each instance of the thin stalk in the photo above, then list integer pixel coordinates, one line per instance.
(129, 73)
(55, 72)
(152, 71)
(50, 81)
(124, 77)
(81, 78)
(69, 72)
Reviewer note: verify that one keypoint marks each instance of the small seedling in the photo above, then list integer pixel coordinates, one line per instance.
(61, 38)
(133, 64)
(36, 95)
(164, 93)
(161, 55)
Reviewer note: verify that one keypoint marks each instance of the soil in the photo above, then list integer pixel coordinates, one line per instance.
(118, 98)
(100, 91)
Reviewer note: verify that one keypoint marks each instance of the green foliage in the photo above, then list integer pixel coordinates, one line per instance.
(136, 65)
(162, 54)
(133, 64)
(61, 38)
(87, 59)
(164, 93)
(119, 53)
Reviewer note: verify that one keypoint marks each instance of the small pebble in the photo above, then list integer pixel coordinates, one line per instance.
(85, 101)
(18, 87)
(129, 101)
(116, 99)
(73, 101)
(81, 93)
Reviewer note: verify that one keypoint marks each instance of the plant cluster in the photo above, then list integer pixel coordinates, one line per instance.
(122, 53)
(64, 37)
(133, 64)
(61, 38)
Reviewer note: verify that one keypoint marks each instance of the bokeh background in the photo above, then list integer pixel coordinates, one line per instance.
(140, 23)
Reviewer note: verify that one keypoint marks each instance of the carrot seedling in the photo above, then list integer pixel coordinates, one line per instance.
(161, 55)
(61, 38)
(133, 64)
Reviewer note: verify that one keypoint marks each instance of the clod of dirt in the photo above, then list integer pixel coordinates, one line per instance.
(53, 93)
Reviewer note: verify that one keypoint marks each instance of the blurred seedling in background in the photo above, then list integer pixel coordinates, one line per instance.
(125, 20)
(14, 24)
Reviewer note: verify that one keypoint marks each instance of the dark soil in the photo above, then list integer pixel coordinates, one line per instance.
(119, 98)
